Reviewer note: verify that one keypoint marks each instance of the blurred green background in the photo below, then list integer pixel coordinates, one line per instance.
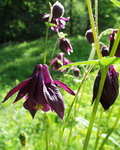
(22, 20)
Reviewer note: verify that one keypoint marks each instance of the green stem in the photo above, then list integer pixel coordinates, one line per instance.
(71, 106)
(94, 111)
(96, 39)
(70, 133)
(96, 15)
(46, 36)
(110, 131)
(46, 42)
(98, 128)
(46, 130)
(115, 45)
(107, 120)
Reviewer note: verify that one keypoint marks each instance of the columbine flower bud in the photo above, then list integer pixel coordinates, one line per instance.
(65, 46)
(105, 51)
(58, 10)
(76, 72)
(110, 89)
(89, 36)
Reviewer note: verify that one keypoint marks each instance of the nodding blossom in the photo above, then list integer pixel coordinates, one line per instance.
(110, 89)
(41, 92)
(57, 17)
(89, 36)
(60, 61)
(65, 46)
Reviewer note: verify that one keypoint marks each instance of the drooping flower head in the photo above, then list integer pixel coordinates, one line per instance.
(65, 46)
(110, 89)
(76, 71)
(105, 51)
(41, 92)
(60, 61)
(112, 39)
(57, 10)
(57, 17)
(89, 36)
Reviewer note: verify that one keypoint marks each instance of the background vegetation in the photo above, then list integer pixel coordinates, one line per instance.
(22, 20)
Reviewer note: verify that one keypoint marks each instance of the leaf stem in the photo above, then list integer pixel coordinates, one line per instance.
(46, 130)
(71, 106)
(98, 128)
(111, 130)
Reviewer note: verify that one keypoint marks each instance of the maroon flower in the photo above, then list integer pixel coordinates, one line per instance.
(112, 39)
(57, 10)
(57, 17)
(110, 89)
(41, 92)
(60, 61)
(65, 46)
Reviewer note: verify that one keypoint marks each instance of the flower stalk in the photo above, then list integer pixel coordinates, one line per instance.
(94, 111)
(96, 40)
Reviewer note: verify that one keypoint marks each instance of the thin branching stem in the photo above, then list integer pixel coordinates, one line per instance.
(111, 130)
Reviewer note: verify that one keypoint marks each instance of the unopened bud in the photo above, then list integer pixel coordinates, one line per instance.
(89, 36)
(76, 72)
(105, 51)
(65, 46)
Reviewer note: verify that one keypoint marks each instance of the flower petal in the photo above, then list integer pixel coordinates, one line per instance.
(32, 112)
(47, 76)
(22, 92)
(64, 86)
(29, 104)
(17, 88)
(55, 99)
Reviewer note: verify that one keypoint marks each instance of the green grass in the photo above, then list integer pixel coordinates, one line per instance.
(17, 61)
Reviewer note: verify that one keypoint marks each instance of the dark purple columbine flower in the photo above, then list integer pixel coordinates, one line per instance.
(65, 46)
(60, 61)
(112, 39)
(89, 36)
(41, 92)
(57, 17)
(110, 89)
(59, 22)
(57, 10)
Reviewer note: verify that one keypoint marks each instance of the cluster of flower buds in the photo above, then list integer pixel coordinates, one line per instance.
(40, 90)
(64, 44)
(111, 85)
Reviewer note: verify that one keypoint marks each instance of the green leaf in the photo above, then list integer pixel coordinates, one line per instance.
(116, 2)
(109, 60)
(50, 24)
(89, 62)
(102, 62)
